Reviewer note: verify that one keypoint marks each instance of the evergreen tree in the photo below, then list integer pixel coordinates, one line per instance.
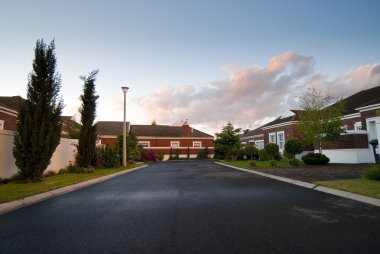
(227, 142)
(88, 134)
(38, 126)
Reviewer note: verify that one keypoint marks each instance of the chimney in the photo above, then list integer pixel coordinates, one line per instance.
(186, 129)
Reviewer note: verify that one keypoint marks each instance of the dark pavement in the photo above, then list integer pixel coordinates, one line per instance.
(192, 207)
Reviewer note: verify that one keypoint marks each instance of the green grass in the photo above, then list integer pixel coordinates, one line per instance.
(259, 164)
(14, 190)
(366, 187)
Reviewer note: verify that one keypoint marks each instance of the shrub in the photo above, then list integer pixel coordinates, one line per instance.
(79, 170)
(294, 162)
(315, 159)
(292, 147)
(263, 156)
(160, 156)
(150, 156)
(272, 150)
(272, 163)
(251, 151)
(110, 157)
(202, 155)
(252, 164)
(373, 173)
(97, 160)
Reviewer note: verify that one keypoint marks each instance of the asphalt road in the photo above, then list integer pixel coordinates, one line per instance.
(192, 207)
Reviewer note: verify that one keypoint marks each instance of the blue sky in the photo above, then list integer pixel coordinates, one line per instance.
(209, 61)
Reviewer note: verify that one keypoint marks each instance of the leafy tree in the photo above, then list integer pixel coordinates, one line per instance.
(321, 117)
(272, 150)
(293, 146)
(38, 126)
(227, 142)
(87, 134)
(251, 151)
(133, 151)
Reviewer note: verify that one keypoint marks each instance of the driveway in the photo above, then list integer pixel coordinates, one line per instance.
(192, 207)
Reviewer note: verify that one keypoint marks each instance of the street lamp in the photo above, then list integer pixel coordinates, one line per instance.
(125, 90)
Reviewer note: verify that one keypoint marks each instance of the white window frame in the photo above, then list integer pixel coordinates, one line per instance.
(272, 134)
(358, 126)
(174, 144)
(279, 142)
(243, 143)
(145, 144)
(1, 124)
(197, 144)
(261, 144)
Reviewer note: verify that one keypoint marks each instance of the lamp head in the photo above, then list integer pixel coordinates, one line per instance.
(125, 89)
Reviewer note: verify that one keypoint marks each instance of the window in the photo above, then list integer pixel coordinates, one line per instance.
(260, 144)
(272, 137)
(243, 143)
(358, 125)
(280, 139)
(251, 142)
(197, 144)
(1, 124)
(144, 143)
(174, 144)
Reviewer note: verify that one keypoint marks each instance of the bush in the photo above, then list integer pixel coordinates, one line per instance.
(251, 151)
(252, 164)
(272, 163)
(315, 159)
(97, 160)
(202, 155)
(292, 147)
(79, 170)
(160, 156)
(294, 162)
(110, 157)
(373, 173)
(263, 156)
(149, 156)
(272, 150)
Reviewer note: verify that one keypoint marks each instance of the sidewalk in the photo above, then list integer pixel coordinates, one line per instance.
(344, 194)
(12, 205)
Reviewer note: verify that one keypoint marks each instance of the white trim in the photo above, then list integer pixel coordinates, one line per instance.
(279, 125)
(350, 116)
(197, 142)
(144, 142)
(254, 136)
(278, 140)
(370, 107)
(351, 132)
(8, 111)
(174, 142)
(152, 137)
(269, 137)
(1, 124)
(182, 147)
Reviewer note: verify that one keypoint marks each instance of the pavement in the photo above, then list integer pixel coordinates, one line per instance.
(192, 207)
(12, 205)
(344, 194)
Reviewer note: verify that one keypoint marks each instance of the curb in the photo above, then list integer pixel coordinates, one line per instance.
(13, 205)
(344, 194)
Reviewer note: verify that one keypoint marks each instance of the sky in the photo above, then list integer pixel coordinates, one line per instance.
(208, 61)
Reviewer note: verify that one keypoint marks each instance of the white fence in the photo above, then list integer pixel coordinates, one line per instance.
(63, 155)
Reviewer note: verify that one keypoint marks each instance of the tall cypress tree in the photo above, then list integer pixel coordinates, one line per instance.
(38, 126)
(88, 134)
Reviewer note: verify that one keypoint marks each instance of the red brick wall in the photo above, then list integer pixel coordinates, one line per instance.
(351, 122)
(289, 131)
(350, 141)
(10, 122)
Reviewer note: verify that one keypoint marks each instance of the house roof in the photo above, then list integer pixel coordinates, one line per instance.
(116, 128)
(363, 98)
(250, 133)
(12, 102)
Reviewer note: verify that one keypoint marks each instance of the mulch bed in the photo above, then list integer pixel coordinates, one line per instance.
(319, 173)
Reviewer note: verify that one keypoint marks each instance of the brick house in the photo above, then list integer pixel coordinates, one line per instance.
(163, 138)
(361, 120)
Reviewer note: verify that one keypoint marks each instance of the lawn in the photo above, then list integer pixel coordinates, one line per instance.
(366, 187)
(259, 164)
(14, 190)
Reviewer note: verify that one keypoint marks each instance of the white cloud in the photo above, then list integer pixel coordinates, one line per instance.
(251, 96)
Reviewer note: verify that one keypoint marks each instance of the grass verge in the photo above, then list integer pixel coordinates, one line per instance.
(259, 164)
(14, 190)
(366, 187)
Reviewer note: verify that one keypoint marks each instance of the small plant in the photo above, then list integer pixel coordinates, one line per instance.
(263, 156)
(373, 173)
(294, 162)
(272, 163)
(272, 150)
(160, 156)
(252, 164)
(110, 157)
(315, 159)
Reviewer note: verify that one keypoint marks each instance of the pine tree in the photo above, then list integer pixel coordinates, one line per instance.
(88, 134)
(38, 126)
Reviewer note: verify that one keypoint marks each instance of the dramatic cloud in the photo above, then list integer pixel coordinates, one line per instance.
(252, 96)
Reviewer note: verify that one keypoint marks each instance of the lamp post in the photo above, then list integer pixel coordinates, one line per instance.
(125, 90)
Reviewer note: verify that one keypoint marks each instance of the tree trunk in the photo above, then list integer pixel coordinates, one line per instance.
(320, 146)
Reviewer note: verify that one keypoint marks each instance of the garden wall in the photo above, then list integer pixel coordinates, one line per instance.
(63, 155)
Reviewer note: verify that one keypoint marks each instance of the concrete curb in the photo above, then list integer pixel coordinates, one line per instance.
(13, 205)
(344, 194)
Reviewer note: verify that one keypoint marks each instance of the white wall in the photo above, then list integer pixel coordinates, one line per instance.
(64, 153)
(349, 155)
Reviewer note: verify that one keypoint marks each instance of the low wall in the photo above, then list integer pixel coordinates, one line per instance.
(63, 155)
(349, 155)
